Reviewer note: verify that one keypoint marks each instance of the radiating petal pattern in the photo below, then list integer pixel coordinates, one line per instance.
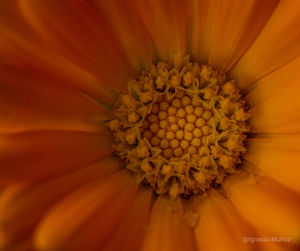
(266, 205)
(86, 218)
(125, 22)
(29, 101)
(275, 102)
(167, 228)
(61, 66)
(277, 157)
(33, 201)
(167, 23)
(20, 45)
(277, 45)
(127, 238)
(33, 155)
(223, 30)
(220, 221)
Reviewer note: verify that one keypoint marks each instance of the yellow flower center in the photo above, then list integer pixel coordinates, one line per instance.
(181, 127)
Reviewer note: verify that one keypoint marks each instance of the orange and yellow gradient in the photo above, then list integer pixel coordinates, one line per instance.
(62, 65)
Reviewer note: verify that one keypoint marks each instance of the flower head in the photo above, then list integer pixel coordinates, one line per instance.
(112, 138)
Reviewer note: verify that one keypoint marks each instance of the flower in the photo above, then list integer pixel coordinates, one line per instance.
(62, 63)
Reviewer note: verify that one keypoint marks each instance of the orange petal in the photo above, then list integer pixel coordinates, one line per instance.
(132, 35)
(223, 30)
(90, 43)
(276, 102)
(273, 83)
(20, 46)
(168, 229)
(268, 206)
(17, 201)
(277, 157)
(34, 155)
(133, 225)
(167, 23)
(25, 104)
(220, 221)
(266, 55)
(86, 218)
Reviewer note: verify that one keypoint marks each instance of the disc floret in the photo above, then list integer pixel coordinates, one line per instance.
(181, 127)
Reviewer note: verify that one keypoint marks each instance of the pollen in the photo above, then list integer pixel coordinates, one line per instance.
(181, 127)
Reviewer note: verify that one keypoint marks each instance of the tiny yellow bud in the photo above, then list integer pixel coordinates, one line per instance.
(209, 93)
(146, 167)
(199, 177)
(198, 111)
(206, 115)
(170, 135)
(161, 133)
(184, 144)
(181, 113)
(171, 119)
(164, 144)
(174, 143)
(178, 152)
(206, 130)
(175, 80)
(187, 79)
(181, 166)
(224, 123)
(189, 127)
(229, 88)
(131, 138)
(186, 100)
(148, 134)
(167, 153)
(191, 118)
(114, 125)
(163, 106)
(205, 162)
(179, 134)
(240, 114)
(197, 132)
(166, 169)
(172, 110)
(133, 117)
(146, 97)
(176, 103)
(162, 115)
(163, 124)
(142, 151)
(188, 135)
(128, 100)
(200, 122)
(181, 123)
(152, 118)
(160, 83)
(196, 142)
(189, 109)
(174, 127)
(226, 161)
(154, 128)
(155, 141)
(192, 150)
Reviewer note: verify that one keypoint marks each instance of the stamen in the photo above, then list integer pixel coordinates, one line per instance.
(181, 127)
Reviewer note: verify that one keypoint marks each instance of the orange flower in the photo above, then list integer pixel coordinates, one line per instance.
(61, 66)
